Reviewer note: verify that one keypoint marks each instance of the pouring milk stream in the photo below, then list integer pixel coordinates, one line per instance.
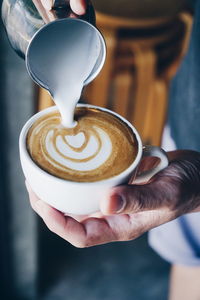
(62, 57)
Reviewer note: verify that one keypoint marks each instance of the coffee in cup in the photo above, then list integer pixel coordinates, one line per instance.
(98, 147)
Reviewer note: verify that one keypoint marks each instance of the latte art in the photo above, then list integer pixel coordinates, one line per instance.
(83, 151)
(100, 146)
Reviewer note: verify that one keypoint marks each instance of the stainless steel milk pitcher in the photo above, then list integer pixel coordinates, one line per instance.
(22, 19)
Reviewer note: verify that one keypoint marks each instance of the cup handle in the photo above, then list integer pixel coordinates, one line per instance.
(154, 152)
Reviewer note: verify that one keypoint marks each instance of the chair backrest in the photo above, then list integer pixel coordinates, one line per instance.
(143, 55)
(110, 21)
(137, 9)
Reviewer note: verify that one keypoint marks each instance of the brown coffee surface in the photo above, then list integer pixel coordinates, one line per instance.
(106, 145)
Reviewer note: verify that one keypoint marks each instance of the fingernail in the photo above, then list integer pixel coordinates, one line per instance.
(119, 204)
(78, 8)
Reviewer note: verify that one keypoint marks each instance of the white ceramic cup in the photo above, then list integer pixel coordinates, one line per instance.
(81, 198)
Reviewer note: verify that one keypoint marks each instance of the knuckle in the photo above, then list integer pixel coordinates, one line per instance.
(127, 236)
(124, 235)
(80, 244)
(51, 226)
(133, 236)
(124, 238)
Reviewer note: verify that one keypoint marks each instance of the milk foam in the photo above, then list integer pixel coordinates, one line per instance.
(95, 158)
(91, 151)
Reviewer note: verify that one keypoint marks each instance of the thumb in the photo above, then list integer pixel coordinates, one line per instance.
(78, 6)
(131, 199)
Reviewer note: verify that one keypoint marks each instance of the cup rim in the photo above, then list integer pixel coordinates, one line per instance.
(126, 172)
(66, 20)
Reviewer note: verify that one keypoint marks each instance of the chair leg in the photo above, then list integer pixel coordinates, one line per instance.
(145, 63)
(44, 99)
(122, 92)
(98, 92)
(156, 117)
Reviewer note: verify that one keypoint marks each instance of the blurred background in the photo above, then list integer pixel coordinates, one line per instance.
(146, 41)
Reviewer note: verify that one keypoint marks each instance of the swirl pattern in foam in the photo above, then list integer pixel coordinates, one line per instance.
(100, 146)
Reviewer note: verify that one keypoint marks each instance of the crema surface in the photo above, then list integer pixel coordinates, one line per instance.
(100, 146)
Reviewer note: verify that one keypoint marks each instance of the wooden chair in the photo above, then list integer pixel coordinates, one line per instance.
(142, 57)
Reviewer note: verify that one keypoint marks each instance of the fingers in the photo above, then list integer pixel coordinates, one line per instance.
(90, 232)
(133, 198)
(130, 199)
(96, 231)
(163, 190)
(123, 227)
(47, 4)
(176, 188)
(66, 227)
(78, 6)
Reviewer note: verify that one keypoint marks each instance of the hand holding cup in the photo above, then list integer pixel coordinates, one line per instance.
(130, 210)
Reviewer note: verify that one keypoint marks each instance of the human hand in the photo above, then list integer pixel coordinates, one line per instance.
(44, 7)
(132, 209)
(77, 6)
